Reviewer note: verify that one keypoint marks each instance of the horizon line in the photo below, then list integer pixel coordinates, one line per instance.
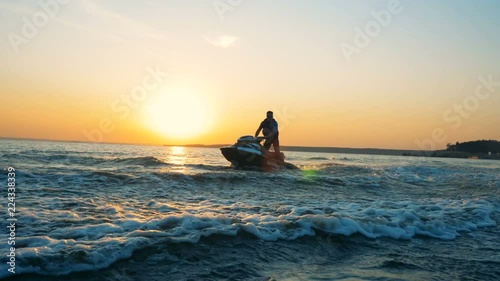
(201, 145)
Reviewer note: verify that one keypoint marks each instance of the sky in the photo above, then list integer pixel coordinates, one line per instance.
(367, 74)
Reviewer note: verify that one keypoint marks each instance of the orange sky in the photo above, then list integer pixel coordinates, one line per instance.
(176, 72)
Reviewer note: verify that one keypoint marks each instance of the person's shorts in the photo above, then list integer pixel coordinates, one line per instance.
(269, 142)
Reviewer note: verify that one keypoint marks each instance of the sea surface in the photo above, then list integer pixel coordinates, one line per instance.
(126, 212)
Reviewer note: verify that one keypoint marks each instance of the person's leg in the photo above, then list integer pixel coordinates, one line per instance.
(276, 145)
(267, 144)
(266, 147)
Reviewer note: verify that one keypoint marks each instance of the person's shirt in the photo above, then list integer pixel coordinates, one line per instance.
(269, 124)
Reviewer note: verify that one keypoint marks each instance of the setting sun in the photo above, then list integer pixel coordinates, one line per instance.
(178, 114)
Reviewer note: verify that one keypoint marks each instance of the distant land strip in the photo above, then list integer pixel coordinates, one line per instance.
(369, 151)
(375, 151)
(372, 151)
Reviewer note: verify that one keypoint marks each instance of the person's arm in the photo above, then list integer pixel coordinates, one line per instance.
(269, 134)
(258, 131)
(275, 127)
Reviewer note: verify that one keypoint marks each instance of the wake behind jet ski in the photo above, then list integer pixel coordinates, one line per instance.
(249, 152)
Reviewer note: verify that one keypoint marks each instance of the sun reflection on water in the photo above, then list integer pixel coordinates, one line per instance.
(177, 157)
(177, 150)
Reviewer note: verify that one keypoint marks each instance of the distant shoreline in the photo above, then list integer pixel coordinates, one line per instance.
(379, 151)
(76, 141)
(454, 154)
(346, 150)
(372, 151)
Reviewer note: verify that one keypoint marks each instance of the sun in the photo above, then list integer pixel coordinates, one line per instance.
(178, 114)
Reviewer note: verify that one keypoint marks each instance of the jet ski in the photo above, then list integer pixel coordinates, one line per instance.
(249, 152)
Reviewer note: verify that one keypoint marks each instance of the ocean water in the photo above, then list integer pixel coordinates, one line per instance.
(125, 212)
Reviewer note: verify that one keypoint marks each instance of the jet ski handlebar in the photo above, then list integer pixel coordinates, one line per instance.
(250, 139)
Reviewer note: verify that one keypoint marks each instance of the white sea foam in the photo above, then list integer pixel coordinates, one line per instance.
(114, 201)
(89, 247)
(88, 231)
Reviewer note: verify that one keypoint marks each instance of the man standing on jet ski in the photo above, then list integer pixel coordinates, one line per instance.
(269, 128)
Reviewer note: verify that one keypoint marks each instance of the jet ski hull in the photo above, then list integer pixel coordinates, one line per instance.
(248, 152)
(240, 157)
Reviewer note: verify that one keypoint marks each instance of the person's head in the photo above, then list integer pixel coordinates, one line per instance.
(269, 115)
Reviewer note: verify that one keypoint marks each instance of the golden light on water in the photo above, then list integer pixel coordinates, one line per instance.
(177, 155)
